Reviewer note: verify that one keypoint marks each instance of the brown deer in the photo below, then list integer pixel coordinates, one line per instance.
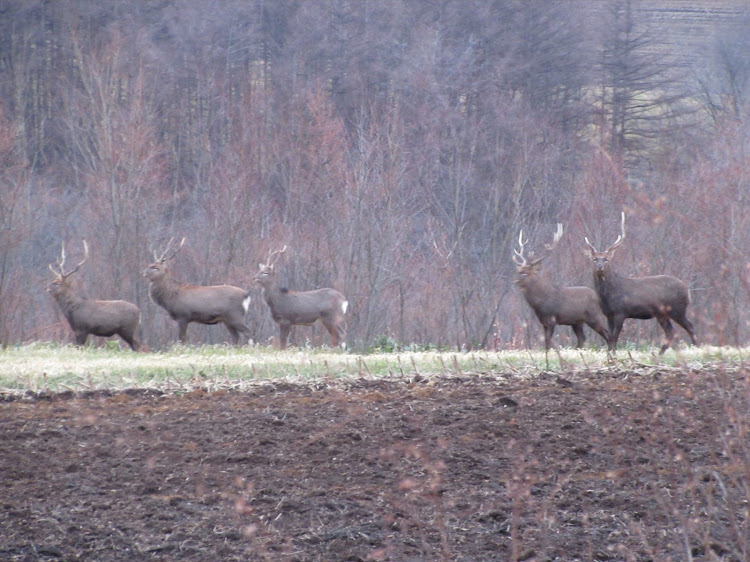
(555, 305)
(194, 303)
(87, 316)
(301, 308)
(661, 296)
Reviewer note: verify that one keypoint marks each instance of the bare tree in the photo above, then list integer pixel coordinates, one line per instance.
(642, 100)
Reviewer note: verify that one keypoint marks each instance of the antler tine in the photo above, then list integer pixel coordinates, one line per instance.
(518, 257)
(165, 255)
(556, 237)
(85, 257)
(275, 255)
(61, 261)
(621, 236)
(590, 245)
(162, 257)
(58, 272)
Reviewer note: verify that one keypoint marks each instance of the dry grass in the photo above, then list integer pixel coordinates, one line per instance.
(41, 367)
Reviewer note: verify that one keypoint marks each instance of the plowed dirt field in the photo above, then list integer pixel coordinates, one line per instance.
(614, 466)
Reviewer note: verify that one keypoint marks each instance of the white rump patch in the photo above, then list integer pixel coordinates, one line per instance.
(344, 306)
(246, 303)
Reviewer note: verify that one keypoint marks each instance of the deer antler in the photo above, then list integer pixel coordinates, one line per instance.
(521, 261)
(61, 262)
(616, 243)
(621, 236)
(590, 245)
(555, 238)
(518, 257)
(164, 257)
(275, 255)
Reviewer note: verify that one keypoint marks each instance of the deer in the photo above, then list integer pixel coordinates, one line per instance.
(663, 297)
(555, 305)
(86, 316)
(300, 308)
(187, 303)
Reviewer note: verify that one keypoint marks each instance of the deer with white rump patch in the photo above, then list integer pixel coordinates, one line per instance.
(88, 316)
(187, 303)
(662, 297)
(301, 308)
(555, 305)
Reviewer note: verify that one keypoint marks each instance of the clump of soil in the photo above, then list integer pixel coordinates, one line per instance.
(603, 466)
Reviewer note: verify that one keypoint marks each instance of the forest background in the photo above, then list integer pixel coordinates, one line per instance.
(396, 146)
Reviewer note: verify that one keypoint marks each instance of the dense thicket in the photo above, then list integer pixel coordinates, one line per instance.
(396, 147)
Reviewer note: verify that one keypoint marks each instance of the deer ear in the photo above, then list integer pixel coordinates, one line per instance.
(260, 266)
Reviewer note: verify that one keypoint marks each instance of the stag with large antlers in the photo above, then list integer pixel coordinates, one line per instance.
(87, 316)
(555, 305)
(195, 303)
(301, 308)
(662, 297)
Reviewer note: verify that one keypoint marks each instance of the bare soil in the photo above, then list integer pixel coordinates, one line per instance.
(595, 466)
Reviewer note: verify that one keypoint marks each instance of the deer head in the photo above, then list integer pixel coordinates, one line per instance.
(158, 269)
(601, 259)
(266, 273)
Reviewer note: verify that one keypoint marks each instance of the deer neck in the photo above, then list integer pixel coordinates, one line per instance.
(164, 290)
(607, 284)
(538, 289)
(274, 294)
(69, 301)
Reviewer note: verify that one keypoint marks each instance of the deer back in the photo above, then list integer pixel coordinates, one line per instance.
(193, 302)
(201, 302)
(641, 297)
(105, 317)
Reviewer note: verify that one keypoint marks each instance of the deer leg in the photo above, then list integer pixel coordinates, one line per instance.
(549, 331)
(340, 335)
(580, 336)
(666, 325)
(81, 337)
(128, 336)
(284, 330)
(245, 331)
(336, 332)
(599, 328)
(182, 327)
(234, 333)
(615, 326)
(131, 341)
(687, 325)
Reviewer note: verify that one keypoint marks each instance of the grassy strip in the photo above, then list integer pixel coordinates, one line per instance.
(41, 367)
